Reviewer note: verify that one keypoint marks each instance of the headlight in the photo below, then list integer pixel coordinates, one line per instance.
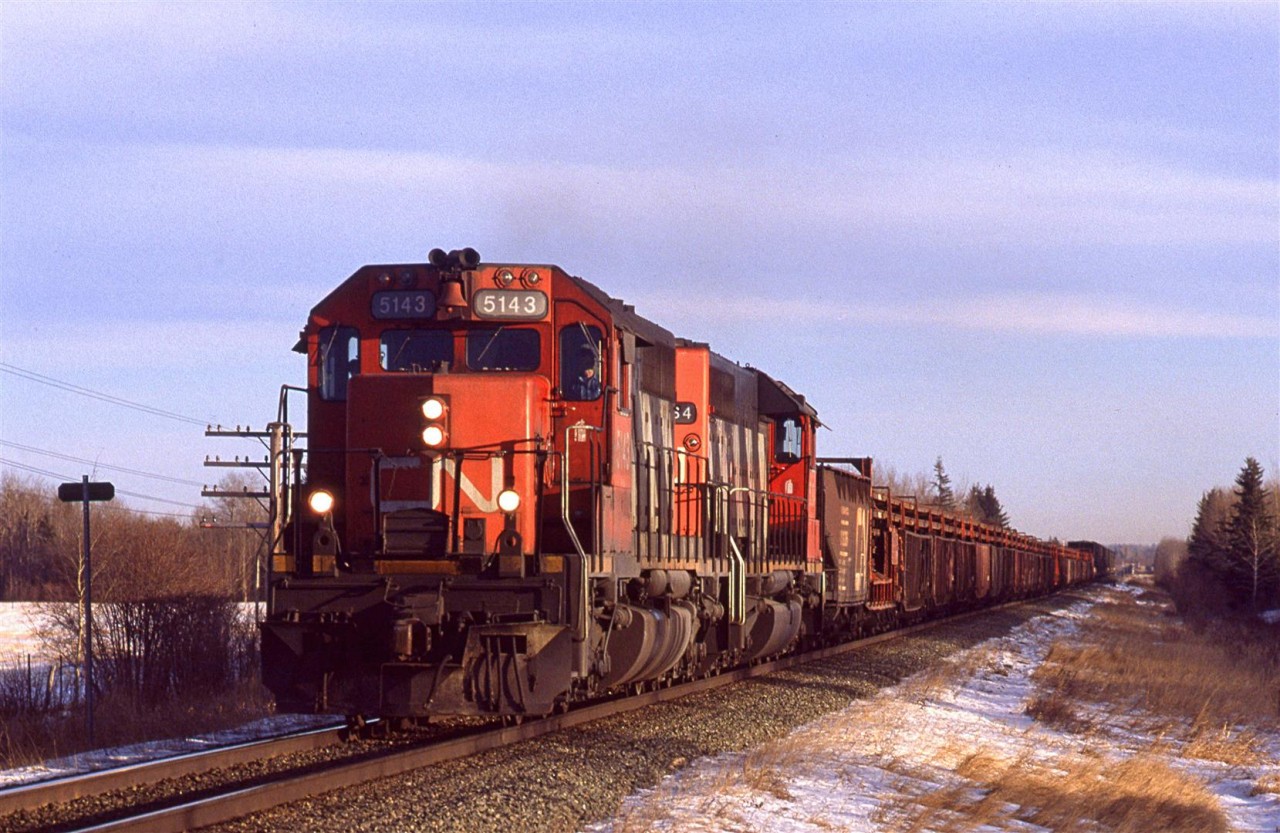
(433, 436)
(320, 501)
(433, 408)
(508, 500)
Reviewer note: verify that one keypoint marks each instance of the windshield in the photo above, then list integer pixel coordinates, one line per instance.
(503, 348)
(417, 350)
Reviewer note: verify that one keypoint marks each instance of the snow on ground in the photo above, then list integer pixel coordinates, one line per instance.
(855, 770)
(22, 635)
(20, 639)
(847, 771)
(24, 632)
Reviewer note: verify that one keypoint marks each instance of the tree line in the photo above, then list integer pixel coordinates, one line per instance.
(978, 502)
(1230, 563)
(167, 591)
(135, 554)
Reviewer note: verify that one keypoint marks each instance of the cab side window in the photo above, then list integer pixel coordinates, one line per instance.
(580, 363)
(788, 440)
(339, 358)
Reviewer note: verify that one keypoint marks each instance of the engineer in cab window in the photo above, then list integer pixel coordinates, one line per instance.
(586, 385)
(580, 363)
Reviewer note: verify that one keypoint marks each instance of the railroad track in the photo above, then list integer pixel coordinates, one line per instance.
(63, 789)
(238, 799)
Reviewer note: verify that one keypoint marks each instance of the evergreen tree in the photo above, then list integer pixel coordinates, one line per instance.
(983, 504)
(1250, 562)
(942, 486)
(1235, 541)
(1208, 539)
(995, 511)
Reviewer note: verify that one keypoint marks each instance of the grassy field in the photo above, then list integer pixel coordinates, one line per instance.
(1125, 720)
(1151, 696)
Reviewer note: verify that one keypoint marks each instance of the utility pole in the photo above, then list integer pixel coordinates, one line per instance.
(87, 492)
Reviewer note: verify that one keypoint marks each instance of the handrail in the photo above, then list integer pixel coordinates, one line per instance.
(737, 565)
(584, 585)
(564, 488)
(737, 584)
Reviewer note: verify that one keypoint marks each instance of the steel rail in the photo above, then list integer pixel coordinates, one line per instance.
(62, 789)
(237, 803)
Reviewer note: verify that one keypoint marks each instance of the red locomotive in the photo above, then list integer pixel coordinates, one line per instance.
(520, 494)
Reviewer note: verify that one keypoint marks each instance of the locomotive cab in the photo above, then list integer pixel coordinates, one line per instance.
(436, 394)
(430, 420)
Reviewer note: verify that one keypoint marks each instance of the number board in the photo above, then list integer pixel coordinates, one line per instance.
(409, 303)
(686, 413)
(520, 304)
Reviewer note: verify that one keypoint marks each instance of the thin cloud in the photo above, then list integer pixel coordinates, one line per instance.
(170, 345)
(1051, 198)
(1019, 314)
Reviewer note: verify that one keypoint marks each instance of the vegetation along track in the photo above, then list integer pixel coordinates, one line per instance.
(240, 788)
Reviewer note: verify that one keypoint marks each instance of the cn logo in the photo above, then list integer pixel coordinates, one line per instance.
(445, 470)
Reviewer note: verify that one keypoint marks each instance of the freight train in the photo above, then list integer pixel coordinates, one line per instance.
(515, 494)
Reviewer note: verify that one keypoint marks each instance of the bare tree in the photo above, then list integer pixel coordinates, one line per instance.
(1170, 553)
(235, 528)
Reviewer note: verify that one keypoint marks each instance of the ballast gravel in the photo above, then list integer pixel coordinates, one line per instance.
(97, 809)
(571, 778)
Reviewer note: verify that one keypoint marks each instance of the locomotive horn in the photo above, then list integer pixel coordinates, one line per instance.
(467, 258)
(456, 259)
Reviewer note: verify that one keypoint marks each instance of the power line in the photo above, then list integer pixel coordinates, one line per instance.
(55, 475)
(95, 463)
(34, 470)
(32, 376)
(112, 508)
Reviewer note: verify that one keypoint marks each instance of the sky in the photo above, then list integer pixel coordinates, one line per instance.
(1041, 241)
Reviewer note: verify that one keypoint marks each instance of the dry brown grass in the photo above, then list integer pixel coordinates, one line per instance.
(931, 682)
(119, 721)
(1267, 785)
(1208, 694)
(1052, 709)
(1076, 793)
(763, 768)
(1130, 655)
(1066, 792)
(1225, 744)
